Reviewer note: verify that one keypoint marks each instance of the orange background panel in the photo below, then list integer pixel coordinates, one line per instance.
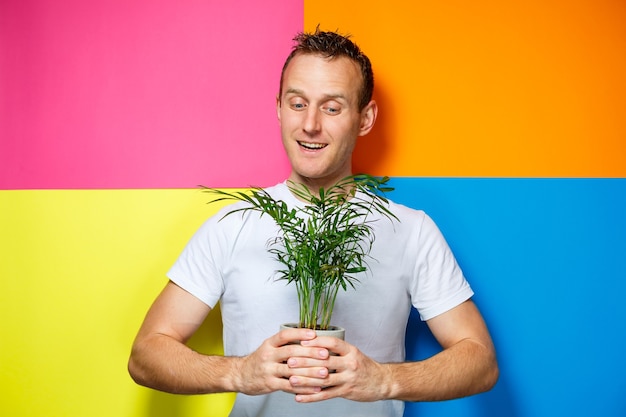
(489, 88)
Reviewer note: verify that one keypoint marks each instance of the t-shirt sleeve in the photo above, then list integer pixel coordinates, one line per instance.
(197, 268)
(439, 284)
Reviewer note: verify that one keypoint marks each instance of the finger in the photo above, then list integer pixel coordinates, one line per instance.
(292, 336)
(302, 357)
(303, 390)
(304, 381)
(314, 372)
(286, 386)
(301, 382)
(321, 395)
(304, 367)
(333, 344)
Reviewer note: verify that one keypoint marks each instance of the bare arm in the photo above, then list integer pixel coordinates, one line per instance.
(467, 365)
(160, 359)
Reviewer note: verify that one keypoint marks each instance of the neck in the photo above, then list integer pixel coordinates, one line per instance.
(314, 184)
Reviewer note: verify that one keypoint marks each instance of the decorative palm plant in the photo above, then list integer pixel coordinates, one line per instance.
(323, 244)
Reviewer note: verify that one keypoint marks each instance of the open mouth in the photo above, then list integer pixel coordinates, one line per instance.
(312, 146)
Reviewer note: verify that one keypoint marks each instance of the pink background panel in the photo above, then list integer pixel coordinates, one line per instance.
(142, 94)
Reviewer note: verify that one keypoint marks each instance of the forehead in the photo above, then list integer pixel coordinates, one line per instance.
(318, 75)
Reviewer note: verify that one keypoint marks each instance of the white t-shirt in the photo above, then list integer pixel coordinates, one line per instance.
(410, 265)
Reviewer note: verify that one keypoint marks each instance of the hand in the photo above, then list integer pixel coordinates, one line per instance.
(355, 376)
(267, 369)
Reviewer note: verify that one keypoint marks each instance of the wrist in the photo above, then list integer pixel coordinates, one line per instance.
(390, 386)
(397, 378)
(221, 373)
(235, 375)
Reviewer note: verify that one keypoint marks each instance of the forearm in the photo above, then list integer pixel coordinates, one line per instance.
(165, 364)
(469, 367)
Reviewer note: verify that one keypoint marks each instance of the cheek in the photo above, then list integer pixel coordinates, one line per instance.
(288, 122)
(346, 132)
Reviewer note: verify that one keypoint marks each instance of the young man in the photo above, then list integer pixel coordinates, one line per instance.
(324, 104)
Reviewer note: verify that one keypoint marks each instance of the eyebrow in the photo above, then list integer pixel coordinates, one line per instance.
(295, 91)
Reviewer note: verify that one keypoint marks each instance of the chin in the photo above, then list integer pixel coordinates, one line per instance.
(316, 173)
(310, 173)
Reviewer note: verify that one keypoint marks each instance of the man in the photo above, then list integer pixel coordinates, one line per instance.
(324, 104)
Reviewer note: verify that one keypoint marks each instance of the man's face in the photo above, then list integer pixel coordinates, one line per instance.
(320, 119)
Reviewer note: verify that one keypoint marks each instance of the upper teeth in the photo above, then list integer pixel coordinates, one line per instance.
(312, 145)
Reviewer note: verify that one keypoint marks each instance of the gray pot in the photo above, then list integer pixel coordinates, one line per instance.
(333, 331)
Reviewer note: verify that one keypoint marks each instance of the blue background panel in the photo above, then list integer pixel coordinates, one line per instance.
(547, 260)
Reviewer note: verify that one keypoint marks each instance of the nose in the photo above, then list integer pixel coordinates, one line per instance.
(311, 125)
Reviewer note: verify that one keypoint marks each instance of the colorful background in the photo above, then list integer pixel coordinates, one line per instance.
(503, 120)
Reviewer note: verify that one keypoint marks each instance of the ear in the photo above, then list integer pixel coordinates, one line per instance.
(278, 108)
(368, 118)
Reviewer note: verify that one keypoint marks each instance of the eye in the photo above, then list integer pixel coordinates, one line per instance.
(331, 109)
(297, 104)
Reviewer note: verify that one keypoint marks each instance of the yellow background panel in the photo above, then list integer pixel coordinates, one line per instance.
(491, 88)
(79, 270)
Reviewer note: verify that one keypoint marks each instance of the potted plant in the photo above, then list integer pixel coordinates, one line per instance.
(323, 244)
